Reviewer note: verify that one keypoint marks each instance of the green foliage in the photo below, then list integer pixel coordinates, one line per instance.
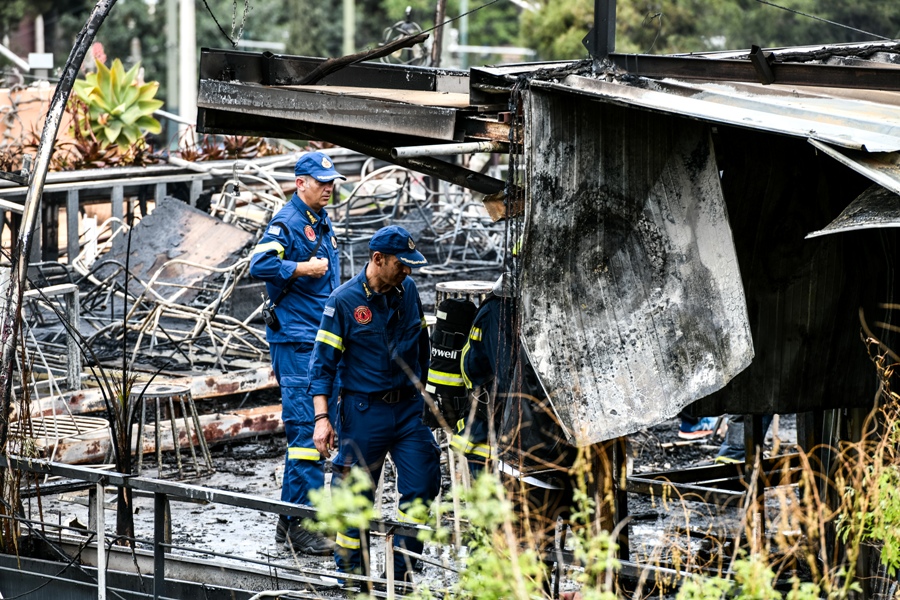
(753, 580)
(496, 567)
(670, 26)
(596, 550)
(556, 30)
(120, 108)
(346, 506)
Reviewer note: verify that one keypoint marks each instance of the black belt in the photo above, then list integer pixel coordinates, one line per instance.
(388, 396)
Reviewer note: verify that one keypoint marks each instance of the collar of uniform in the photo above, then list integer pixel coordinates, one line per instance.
(369, 292)
(304, 209)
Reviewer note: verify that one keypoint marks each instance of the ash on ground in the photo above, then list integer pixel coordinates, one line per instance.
(662, 531)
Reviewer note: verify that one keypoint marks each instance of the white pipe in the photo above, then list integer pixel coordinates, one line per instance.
(447, 149)
(22, 64)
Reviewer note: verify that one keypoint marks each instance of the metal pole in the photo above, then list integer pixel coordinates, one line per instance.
(160, 506)
(100, 520)
(439, 17)
(9, 326)
(448, 149)
(464, 32)
(73, 359)
(601, 40)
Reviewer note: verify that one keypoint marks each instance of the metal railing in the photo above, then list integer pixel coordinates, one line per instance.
(165, 491)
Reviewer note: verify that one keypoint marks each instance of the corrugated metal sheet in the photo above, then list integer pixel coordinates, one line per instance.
(631, 290)
(844, 122)
(883, 168)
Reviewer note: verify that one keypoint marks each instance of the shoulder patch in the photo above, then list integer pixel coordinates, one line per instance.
(329, 311)
(274, 229)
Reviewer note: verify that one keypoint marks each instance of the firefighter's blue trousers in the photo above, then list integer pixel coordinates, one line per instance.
(304, 467)
(370, 429)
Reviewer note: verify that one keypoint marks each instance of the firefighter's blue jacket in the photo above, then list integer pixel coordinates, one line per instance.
(290, 238)
(487, 361)
(366, 338)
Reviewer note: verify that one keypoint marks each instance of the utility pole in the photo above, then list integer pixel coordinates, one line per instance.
(172, 66)
(349, 27)
(187, 60)
(464, 32)
(439, 17)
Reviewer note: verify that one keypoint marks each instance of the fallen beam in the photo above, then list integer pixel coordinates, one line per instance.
(205, 386)
(95, 447)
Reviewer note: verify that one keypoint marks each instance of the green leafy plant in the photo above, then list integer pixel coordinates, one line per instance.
(120, 107)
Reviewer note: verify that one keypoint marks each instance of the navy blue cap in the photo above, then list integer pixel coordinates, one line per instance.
(397, 241)
(318, 166)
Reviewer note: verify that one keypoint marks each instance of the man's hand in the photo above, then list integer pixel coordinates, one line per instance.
(323, 437)
(315, 267)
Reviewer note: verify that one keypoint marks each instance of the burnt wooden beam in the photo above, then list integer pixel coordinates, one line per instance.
(489, 84)
(333, 65)
(225, 122)
(684, 67)
(429, 166)
(486, 128)
(299, 104)
(273, 69)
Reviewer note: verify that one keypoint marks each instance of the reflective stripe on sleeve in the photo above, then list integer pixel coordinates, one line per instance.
(424, 323)
(326, 337)
(297, 453)
(270, 246)
(462, 366)
(405, 518)
(475, 334)
(482, 450)
(442, 378)
(345, 541)
(462, 444)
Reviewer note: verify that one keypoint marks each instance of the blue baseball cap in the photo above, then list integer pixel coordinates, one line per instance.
(318, 166)
(397, 241)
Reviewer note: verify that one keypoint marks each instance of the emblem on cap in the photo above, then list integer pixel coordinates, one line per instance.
(412, 244)
(310, 233)
(363, 315)
(326, 163)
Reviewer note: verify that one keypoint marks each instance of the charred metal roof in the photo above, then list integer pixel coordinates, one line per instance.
(844, 97)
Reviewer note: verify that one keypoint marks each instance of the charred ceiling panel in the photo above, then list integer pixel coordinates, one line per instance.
(875, 208)
(805, 297)
(634, 300)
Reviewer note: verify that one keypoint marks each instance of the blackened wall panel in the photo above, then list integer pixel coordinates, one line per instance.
(633, 303)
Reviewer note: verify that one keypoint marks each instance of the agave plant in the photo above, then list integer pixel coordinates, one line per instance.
(120, 107)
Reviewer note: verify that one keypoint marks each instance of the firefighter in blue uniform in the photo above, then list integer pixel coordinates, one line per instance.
(486, 362)
(298, 259)
(373, 337)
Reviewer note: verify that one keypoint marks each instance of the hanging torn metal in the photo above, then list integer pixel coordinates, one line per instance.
(633, 296)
